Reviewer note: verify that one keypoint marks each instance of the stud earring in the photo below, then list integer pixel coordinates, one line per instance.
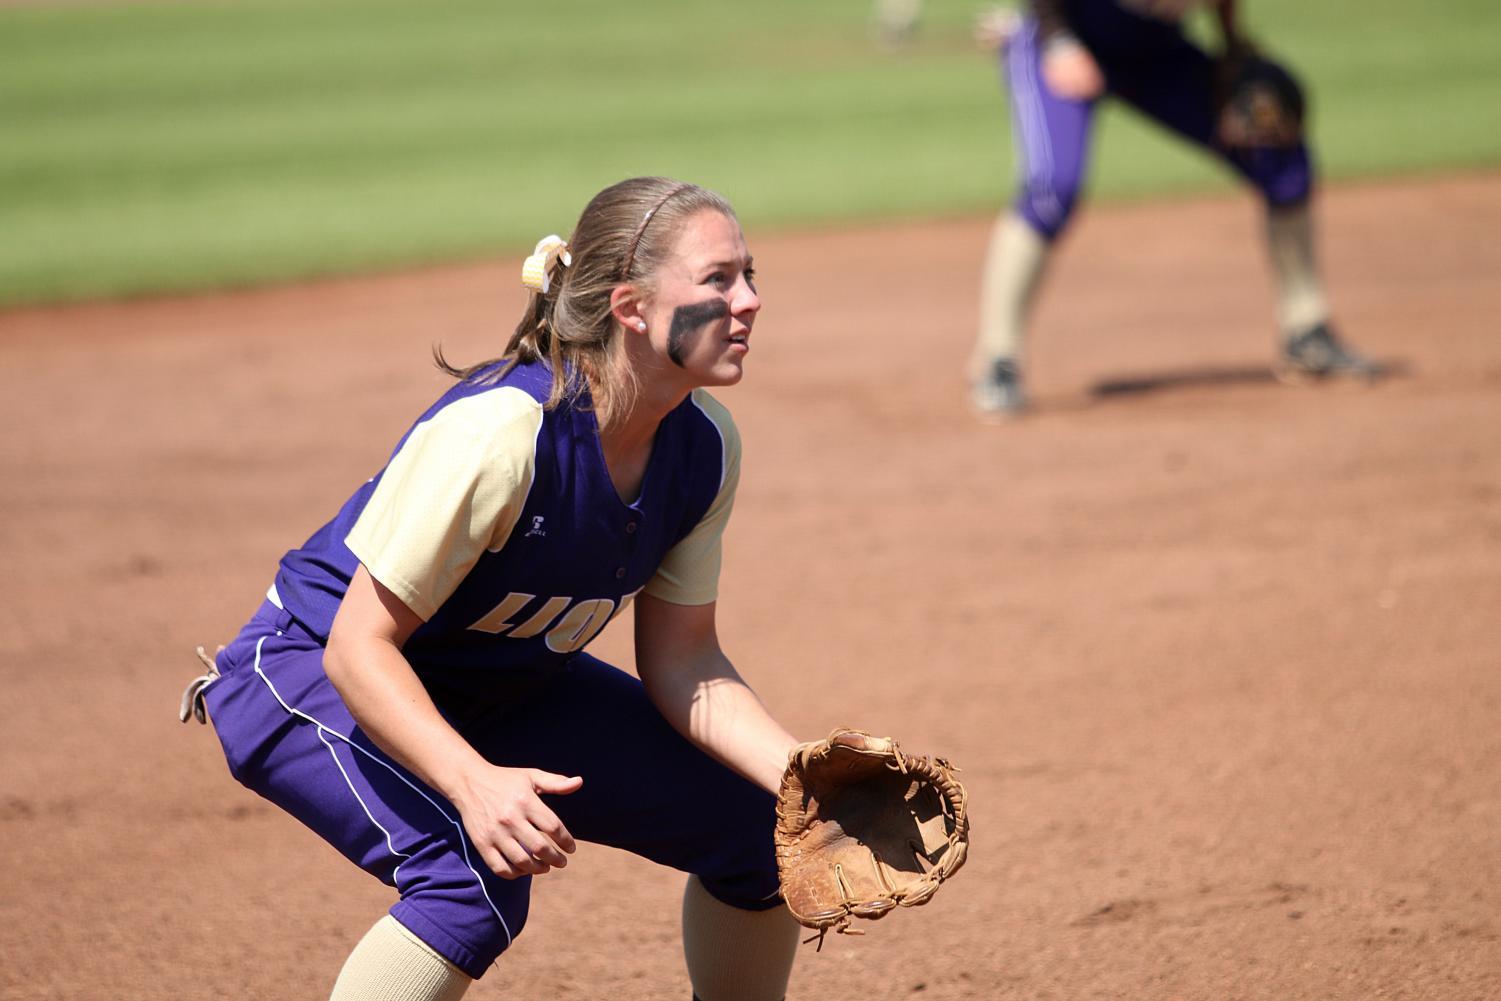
(641, 325)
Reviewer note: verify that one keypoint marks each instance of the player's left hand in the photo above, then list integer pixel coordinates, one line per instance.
(863, 828)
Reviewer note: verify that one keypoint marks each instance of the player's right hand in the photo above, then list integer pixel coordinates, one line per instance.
(516, 833)
(1071, 72)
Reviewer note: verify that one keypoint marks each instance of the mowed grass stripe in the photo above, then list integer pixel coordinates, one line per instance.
(183, 146)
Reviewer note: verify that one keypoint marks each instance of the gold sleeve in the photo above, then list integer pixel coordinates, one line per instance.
(689, 574)
(453, 490)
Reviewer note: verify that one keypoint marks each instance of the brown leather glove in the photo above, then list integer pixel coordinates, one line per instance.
(1258, 102)
(863, 828)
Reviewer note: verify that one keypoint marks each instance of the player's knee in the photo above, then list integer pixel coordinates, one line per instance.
(469, 934)
(1287, 193)
(1048, 208)
(750, 890)
(742, 870)
(1283, 175)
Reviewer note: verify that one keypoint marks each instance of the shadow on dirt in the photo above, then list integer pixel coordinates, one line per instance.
(1183, 379)
(1244, 375)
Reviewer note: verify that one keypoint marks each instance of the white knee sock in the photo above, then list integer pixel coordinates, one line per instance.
(733, 954)
(1300, 293)
(392, 964)
(1014, 262)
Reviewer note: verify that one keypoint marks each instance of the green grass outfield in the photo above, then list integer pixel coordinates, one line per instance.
(178, 146)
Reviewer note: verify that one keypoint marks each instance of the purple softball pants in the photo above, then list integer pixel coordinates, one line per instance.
(289, 737)
(1165, 77)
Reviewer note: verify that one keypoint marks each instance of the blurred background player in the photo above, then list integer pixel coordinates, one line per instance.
(414, 689)
(1059, 58)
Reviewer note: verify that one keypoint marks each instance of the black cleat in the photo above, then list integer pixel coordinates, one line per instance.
(998, 393)
(1317, 354)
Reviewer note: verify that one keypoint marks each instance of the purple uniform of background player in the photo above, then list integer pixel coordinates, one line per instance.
(1149, 64)
(1059, 59)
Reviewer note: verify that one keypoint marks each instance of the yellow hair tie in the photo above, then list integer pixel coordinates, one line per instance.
(536, 272)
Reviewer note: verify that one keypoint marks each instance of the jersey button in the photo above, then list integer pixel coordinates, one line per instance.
(630, 528)
(620, 574)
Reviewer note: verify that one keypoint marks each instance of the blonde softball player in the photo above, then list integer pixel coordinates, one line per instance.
(415, 688)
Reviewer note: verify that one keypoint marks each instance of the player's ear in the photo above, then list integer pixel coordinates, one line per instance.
(625, 306)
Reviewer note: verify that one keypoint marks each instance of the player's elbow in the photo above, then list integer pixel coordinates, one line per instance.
(337, 661)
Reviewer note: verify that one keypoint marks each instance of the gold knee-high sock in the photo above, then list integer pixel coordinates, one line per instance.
(736, 955)
(1014, 262)
(1300, 292)
(392, 964)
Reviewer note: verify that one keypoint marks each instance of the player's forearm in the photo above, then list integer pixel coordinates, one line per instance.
(707, 701)
(391, 706)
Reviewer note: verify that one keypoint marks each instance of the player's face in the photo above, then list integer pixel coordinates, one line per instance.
(700, 315)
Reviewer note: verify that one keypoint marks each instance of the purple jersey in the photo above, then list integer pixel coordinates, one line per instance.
(496, 521)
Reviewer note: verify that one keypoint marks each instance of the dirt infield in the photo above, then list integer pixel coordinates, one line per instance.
(1220, 658)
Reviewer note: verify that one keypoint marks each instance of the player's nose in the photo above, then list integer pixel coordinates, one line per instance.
(745, 301)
